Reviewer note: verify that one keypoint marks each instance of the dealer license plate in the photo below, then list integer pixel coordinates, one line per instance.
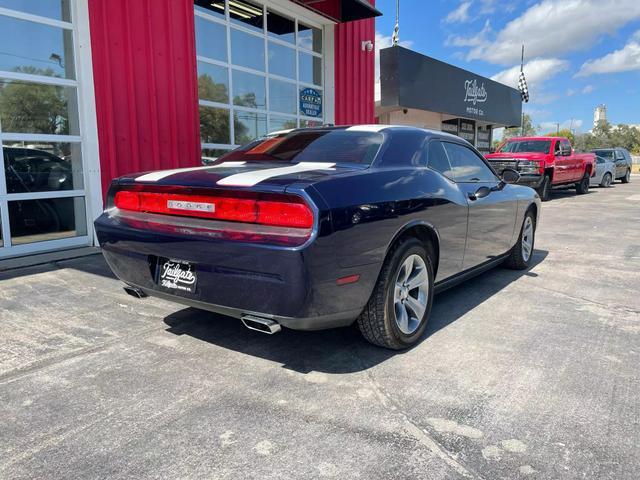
(176, 275)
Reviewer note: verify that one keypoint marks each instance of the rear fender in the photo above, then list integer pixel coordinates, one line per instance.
(425, 232)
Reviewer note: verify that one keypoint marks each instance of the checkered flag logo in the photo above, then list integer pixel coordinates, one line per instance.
(522, 86)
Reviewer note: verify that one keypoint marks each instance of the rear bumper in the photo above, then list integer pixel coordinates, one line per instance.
(294, 286)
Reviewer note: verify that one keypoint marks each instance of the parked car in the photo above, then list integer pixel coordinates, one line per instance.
(605, 172)
(545, 162)
(320, 227)
(622, 159)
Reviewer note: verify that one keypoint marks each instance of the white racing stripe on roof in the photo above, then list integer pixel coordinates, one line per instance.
(159, 175)
(249, 179)
(366, 128)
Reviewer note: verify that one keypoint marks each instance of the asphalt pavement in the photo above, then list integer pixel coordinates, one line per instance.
(520, 375)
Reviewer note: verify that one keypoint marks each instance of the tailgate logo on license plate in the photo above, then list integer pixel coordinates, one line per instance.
(177, 275)
(192, 206)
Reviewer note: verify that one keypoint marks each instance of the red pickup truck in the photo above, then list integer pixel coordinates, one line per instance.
(544, 162)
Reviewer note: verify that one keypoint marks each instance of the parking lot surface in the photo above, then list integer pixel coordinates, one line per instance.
(520, 375)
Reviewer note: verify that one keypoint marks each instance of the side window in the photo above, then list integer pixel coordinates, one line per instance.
(467, 166)
(437, 160)
(405, 148)
(556, 149)
(619, 155)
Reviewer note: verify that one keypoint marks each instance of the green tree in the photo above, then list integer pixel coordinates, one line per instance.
(27, 107)
(565, 132)
(525, 130)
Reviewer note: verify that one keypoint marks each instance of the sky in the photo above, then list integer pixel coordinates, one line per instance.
(578, 53)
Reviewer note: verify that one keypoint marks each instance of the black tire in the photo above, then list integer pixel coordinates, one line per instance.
(582, 186)
(377, 321)
(544, 190)
(516, 259)
(627, 177)
(606, 180)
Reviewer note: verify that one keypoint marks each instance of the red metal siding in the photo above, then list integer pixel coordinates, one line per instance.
(144, 64)
(354, 72)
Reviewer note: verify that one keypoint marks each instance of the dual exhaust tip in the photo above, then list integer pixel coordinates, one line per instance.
(259, 324)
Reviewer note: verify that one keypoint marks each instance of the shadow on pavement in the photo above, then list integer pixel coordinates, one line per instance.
(94, 264)
(339, 350)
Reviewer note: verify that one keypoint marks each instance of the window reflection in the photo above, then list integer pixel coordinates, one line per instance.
(247, 50)
(282, 96)
(210, 155)
(310, 38)
(310, 68)
(37, 49)
(48, 219)
(282, 61)
(249, 90)
(281, 123)
(246, 14)
(42, 167)
(214, 125)
(27, 107)
(248, 126)
(56, 9)
(213, 83)
(211, 39)
(281, 27)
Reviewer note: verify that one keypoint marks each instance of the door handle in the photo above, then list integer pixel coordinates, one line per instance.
(479, 193)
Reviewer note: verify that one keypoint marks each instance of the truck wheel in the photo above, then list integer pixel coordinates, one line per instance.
(627, 177)
(544, 189)
(522, 252)
(397, 312)
(582, 186)
(606, 180)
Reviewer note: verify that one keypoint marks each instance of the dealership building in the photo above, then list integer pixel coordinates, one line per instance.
(94, 89)
(425, 92)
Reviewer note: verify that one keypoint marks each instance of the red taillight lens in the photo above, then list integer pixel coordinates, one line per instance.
(286, 212)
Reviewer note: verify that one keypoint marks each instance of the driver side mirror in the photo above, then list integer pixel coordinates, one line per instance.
(509, 175)
(564, 151)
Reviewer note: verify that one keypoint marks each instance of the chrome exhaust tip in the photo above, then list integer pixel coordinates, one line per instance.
(134, 292)
(264, 325)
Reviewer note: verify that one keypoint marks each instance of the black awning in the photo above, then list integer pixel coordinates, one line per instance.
(342, 10)
(411, 80)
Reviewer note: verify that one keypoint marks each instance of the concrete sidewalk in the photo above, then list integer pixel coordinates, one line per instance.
(521, 375)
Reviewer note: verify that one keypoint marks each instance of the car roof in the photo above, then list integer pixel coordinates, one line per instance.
(371, 128)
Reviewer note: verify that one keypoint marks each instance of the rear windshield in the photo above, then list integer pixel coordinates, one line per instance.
(537, 146)
(608, 154)
(334, 146)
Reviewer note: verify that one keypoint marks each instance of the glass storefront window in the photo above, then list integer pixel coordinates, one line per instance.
(249, 90)
(282, 61)
(214, 125)
(42, 166)
(282, 96)
(210, 155)
(210, 7)
(247, 50)
(273, 71)
(47, 219)
(310, 38)
(27, 107)
(246, 14)
(213, 82)
(304, 123)
(43, 50)
(281, 123)
(310, 68)
(281, 27)
(248, 126)
(56, 9)
(211, 39)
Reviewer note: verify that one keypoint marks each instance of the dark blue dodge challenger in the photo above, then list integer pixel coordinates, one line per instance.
(318, 228)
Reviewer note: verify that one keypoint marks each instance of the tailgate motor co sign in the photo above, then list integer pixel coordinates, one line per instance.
(474, 94)
(310, 102)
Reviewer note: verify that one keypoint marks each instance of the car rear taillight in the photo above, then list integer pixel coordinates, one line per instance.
(263, 209)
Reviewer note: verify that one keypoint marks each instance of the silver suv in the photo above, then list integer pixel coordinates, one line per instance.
(622, 160)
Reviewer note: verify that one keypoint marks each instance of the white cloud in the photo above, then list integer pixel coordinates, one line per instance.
(588, 89)
(478, 39)
(536, 72)
(623, 60)
(381, 42)
(552, 27)
(460, 14)
(570, 92)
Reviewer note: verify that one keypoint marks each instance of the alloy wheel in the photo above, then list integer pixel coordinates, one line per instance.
(527, 239)
(411, 294)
